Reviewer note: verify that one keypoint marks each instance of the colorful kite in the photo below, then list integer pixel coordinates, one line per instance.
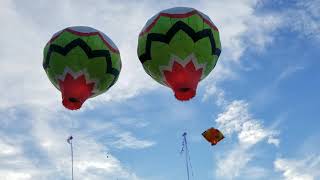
(179, 47)
(213, 136)
(81, 62)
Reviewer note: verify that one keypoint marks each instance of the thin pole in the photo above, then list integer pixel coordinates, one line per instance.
(186, 153)
(69, 140)
(71, 147)
(71, 160)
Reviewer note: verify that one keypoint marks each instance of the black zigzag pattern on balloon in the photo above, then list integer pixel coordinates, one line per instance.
(89, 52)
(166, 38)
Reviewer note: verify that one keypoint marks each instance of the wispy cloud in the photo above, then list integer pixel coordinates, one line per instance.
(14, 175)
(251, 31)
(212, 90)
(126, 140)
(44, 153)
(237, 120)
(7, 149)
(13, 164)
(306, 168)
(289, 71)
(232, 165)
(304, 18)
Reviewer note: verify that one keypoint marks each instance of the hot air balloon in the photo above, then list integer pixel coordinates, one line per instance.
(179, 47)
(81, 62)
(213, 136)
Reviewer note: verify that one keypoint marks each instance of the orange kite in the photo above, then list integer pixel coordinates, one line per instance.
(213, 136)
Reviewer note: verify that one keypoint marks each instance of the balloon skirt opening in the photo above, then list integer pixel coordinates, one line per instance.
(184, 94)
(71, 103)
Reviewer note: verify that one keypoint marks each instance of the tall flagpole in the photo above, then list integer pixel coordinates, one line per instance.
(69, 140)
(186, 153)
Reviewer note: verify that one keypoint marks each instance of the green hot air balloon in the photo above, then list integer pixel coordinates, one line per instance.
(81, 62)
(179, 47)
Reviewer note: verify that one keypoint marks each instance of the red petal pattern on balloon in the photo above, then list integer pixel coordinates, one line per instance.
(183, 80)
(75, 91)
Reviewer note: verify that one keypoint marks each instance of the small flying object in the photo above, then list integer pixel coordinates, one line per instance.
(213, 135)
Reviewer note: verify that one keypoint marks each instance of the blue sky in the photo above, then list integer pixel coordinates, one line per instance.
(263, 94)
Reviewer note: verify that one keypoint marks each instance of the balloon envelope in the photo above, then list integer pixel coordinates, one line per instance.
(81, 62)
(179, 47)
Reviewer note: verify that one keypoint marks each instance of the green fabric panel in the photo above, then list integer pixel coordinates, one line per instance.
(206, 26)
(162, 26)
(105, 82)
(195, 22)
(175, 20)
(116, 62)
(95, 67)
(160, 52)
(51, 75)
(146, 67)
(202, 48)
(96, 43)
(142, 44)
(45, 52)
(64, 38)
(217, 39)
(181, 45)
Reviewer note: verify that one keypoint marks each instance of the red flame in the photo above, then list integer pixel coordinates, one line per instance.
(75, 91)
(183, 80)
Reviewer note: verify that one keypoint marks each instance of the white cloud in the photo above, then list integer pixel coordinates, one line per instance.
(41, 151)
(217, 93)
(299, 169)
(138, 123)
(7, 149)
(260, 33)
(13, 165)
(274, 141)
(235, 164)
(232, 165)
(289, 71)
(300, 16)
(241, 31)
(236, 119)
(251, 132)
(255, 31)
(12, 175)
(118, 137)
(304, 18)
(126, 140)
(91, 161)
(242, 27)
